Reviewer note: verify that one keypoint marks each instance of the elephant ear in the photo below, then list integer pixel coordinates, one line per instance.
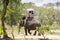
(21, 23)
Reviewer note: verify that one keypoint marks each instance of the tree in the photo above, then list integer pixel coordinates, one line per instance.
(5, 4)
(0, 8)
(15, 9)
(13, 3)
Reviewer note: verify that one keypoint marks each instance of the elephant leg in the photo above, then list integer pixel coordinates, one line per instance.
(19, 29)
(39, 34)
(25, 31)
(35, 32)
(29, 31)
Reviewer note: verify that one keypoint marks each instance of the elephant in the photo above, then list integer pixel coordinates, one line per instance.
(29, 24)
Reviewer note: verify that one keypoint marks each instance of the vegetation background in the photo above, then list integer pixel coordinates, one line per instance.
(11, 10)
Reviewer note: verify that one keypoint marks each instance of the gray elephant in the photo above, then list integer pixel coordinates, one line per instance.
(29, 24)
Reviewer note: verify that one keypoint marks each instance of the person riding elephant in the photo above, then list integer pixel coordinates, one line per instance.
(29, 22)
(22, 22)
(30, 15)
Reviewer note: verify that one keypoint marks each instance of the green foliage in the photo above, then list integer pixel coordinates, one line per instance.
(58, 21)
(43, 29)
(1, 30)
(14, 8)
(3, 1)
(1, 8)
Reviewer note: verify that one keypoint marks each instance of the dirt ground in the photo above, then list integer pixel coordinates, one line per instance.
(22, 36)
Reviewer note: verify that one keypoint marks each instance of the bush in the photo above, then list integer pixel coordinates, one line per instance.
(1, 30)
(43, 29)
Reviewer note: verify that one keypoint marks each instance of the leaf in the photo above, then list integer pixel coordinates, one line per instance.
(1, 30)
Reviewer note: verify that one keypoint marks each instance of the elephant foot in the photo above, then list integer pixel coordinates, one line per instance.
(39, 34)
(34, 34)
(30, 33)
(18, 32)
(26, 34)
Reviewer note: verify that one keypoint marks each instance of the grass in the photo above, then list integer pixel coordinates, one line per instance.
(55, 27)
(55, 33)
(15, 28)
(35, 39)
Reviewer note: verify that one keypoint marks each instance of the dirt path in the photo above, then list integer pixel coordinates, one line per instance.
(49, 36)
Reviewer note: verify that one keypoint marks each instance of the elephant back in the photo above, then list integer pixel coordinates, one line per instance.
(32, 21)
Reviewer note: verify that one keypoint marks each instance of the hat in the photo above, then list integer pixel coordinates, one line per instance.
(30, 9)
(23, 14)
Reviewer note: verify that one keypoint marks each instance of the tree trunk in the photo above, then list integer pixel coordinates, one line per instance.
(5, 4)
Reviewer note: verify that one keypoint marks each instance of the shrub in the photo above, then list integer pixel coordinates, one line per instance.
(1, 30)
(43, 29)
